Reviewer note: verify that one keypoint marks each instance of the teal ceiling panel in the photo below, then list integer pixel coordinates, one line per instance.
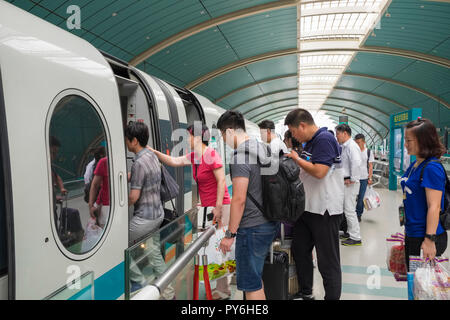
(273, 67)
(427, 76)
(26, 5)
(159, 73)
(376, 102)
(274, 97)
(281, 106)
(279, 84)
(262, 33)
(289, 102)
(345, 104)
(243, 95)
(217, 8)
(414, 25)
(378, 64)
(227, 82)
(260, 89)
(439, 115)
(358, 83)
(442, 50)
(354, 125)
(401, 94)
(257, 71)
(377, 126)
(394, 91)
(196, 56)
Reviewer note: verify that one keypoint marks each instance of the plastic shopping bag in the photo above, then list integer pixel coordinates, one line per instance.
(91, 236)
(432, 281)
(212, 250)
(371, 199)
(395, 258)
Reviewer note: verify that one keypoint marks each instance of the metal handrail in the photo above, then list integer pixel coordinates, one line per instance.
(153, 291)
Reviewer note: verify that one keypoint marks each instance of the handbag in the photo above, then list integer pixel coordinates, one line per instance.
(169, 187)
(169, 214)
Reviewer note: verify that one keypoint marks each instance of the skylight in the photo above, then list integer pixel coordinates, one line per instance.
(330, 24)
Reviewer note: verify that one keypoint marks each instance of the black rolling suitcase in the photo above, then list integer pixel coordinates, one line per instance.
(70, 229)
(276, 275)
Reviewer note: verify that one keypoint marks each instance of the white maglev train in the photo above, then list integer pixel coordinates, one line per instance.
(56, 85)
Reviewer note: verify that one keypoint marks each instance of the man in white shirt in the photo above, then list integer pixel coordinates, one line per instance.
(268, 135)
(351, 161)
(366, 171)
(318, 226)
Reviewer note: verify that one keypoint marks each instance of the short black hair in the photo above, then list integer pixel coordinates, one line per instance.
(343, 127)
(231, 119)
(99, 152)
(360, 136)
(296, 116)
(54, 142)
(204, 133)
(138, 130)
(267, 124)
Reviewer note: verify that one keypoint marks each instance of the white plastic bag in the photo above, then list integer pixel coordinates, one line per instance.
(91, 236)
(371, 199)
(431, 281)
(212, 250)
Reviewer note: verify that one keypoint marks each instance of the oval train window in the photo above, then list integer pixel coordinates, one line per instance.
(79, 174)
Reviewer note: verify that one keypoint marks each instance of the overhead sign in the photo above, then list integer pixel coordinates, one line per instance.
(343, 119)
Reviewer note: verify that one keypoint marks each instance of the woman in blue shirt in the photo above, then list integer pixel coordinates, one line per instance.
(423, 199)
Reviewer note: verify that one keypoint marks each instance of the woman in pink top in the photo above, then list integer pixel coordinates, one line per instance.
(208, 172)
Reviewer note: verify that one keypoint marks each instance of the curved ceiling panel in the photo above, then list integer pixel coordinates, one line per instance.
(245, 55)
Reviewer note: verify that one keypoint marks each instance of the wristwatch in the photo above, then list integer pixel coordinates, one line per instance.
(229, 234)
(432, 237)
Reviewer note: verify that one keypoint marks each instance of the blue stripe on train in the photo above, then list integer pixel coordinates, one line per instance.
(109, 286)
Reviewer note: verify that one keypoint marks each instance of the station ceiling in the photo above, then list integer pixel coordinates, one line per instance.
(365, 59)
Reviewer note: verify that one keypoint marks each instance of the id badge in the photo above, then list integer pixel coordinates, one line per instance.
(401, 215)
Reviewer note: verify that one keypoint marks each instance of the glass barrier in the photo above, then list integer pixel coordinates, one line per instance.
(79, 289)
(150, 258)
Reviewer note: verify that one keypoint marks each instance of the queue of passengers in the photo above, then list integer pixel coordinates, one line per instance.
(335, 172)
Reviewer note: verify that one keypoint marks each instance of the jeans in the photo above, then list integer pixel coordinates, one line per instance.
(360, 199)
(252, 246)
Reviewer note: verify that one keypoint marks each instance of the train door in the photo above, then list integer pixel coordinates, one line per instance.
(137, 105)
(194, 114)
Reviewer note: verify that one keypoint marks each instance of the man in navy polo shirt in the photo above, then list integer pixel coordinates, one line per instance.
(318, 227)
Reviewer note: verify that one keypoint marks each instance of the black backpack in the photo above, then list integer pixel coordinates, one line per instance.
(444, 216)
(283, 192)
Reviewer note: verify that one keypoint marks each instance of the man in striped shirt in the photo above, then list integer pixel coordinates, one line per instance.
(145, 181)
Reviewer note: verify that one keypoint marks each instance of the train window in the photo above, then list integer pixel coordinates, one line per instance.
(79, 174)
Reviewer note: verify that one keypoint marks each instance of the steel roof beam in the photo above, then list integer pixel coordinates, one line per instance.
(232, 16)
(281, 53)
(373, 95)
(366, 123)
(350, 121)
(260, 116)
(360, 103)
(291, 75)
(263, 96)
(357, 111)
(402, 84)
